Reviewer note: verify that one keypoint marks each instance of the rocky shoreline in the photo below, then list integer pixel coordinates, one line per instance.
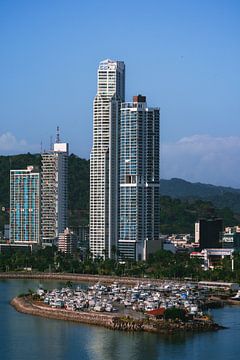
(26, 305)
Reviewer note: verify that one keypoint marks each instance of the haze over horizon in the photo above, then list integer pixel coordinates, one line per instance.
(184, 57)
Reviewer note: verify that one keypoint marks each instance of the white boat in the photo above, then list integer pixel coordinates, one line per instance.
(236, 297)
(98, 308)
(109, 308)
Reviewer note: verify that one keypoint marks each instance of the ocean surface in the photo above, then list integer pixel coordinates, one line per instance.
(25, 337)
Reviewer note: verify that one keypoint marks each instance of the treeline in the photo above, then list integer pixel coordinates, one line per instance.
(163, 264)
(177, 216)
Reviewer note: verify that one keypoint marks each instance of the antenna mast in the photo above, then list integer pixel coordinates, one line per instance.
(51, 143)
(58, 135)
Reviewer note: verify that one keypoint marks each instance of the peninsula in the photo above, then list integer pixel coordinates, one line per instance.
(166, 308)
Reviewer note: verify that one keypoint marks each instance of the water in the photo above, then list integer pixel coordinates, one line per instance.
(25, 337)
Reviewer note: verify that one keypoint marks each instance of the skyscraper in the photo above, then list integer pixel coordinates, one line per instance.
(139, 178)
(25, 206)
(54, 192)
(104, 158)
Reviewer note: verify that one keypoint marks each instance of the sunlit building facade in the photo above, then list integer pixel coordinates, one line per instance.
(104, 160)
(139, 178)
(25, 206)
(54, 193)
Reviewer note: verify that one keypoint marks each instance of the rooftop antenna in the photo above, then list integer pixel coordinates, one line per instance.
(58, 135)
(41, 148)
(51, 143)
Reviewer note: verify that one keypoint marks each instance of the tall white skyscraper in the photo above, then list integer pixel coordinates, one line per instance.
(104, 158)
(139, 201)
(25, 206)
(54, 192)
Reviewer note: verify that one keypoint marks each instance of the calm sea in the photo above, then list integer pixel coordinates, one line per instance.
(31, 338)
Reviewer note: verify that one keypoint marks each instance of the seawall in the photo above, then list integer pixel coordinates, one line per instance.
(78, 277)
(119, 322)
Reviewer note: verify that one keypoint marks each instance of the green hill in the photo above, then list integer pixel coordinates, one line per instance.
(182, 202)
(220, 196)
(78, 185)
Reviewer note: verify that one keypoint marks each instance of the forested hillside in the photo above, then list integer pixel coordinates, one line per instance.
(78, 185)
(184, 204)
(220, 196)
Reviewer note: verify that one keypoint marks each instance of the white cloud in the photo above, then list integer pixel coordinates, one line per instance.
(9, 144)
(203, 158)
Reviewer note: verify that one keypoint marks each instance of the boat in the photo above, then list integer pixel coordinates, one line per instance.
(236, 297)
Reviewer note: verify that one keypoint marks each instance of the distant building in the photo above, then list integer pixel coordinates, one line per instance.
(169, 246)
(67, 242)
(231, 238)
(82, 234)
(13, 247)
(197, 232)
(139, 202)
(213, 257)
(54, 192)
(25, 206)
(209, 233)
(6, 232)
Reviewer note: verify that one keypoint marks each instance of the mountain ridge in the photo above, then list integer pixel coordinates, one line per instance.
(220, 196)
(182, 202)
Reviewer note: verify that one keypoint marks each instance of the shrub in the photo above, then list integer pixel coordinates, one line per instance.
(174, 314)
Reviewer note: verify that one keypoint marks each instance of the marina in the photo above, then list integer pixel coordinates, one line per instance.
(131, 300)
(70, 339)
(165, 307)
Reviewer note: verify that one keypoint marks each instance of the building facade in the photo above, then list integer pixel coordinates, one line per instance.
(25, 206)
(139, 178)
(230, 238)
(67, 242)
(209, 233)
(104, 158)
(54, 193)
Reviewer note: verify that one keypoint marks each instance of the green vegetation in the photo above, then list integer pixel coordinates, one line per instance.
(78, 185)
(177, 216)
(174, 314)
(163, 264)
(219, 196)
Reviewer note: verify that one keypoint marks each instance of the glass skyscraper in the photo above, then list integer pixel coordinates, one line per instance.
(25, 206)
(139, 178)
(104, 160)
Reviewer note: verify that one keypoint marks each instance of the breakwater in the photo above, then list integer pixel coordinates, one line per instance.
(76, 277)
(26, 305)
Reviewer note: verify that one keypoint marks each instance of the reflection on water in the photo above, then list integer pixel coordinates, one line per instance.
(33, 338)
(118, 345)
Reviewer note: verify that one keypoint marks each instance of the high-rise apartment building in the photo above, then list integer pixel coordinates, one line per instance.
(139, 178)
(25, 206)
(67, 242)
(104, 158)
(54, 192)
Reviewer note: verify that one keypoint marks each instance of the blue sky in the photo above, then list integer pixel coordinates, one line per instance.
(183, 55)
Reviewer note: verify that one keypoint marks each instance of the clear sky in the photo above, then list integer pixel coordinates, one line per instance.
(184, 55)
